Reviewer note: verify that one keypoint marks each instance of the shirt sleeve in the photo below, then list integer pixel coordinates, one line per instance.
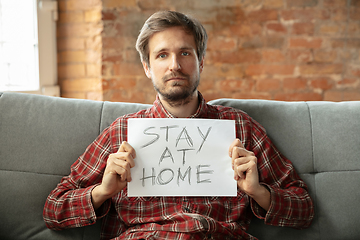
(69, 204)
(291, 204)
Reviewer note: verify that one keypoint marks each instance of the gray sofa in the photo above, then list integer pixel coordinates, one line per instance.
(40, 137)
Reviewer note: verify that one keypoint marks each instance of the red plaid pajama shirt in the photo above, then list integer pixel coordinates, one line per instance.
(69, 204)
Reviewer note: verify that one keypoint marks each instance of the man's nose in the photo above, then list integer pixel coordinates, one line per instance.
(174, 64)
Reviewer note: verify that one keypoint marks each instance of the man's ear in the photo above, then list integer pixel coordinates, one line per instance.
(146, 69)
(201, 66)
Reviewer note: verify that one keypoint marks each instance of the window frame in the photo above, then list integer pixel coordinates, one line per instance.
(47, 15)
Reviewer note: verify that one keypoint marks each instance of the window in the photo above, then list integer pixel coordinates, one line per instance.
(28, 46)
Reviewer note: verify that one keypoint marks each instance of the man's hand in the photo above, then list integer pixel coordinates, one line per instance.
(116, 175)
(244, 164)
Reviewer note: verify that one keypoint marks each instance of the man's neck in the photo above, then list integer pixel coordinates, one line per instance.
(182, 109)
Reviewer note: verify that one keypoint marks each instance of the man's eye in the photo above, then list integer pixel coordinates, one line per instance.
(162, 55)
(185, 54)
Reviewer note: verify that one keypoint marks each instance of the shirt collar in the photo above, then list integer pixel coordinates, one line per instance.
(159, 110)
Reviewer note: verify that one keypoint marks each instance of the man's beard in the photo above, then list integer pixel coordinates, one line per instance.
(181, 96)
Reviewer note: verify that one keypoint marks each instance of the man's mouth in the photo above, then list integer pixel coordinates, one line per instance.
(175, 77)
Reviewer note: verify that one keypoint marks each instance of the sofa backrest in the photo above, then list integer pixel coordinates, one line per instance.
(40, 137)
(322, 139)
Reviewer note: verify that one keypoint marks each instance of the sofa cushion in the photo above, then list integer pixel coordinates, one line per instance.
(44, 134)
(21, 208)
(338, 204)
(335, 128)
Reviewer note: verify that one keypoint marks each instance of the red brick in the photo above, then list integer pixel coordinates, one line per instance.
(306, 96)
(318, 69)
(268, 84)
(335, 3)
(342, 95)
(118, 42)
(222, 70)
(321, 83)
(119, 83)
(126, 69)
(274, 42)
(213, 95)
(353, 29)
(234, 57)
(339, 14)
(304, 14)
(305, 42)
(324, 56)
(300, 55)
(276, 28)
(263, 15)
(355, 71)
(273, 55)
(337, 43)
(125, 96)
(254, 42)
(303, 28)
(295, 83)
(113, 57)
(251, 95)
(301, 3)
(108, 14)
(233, 85)
(348, 82)
(245, 29)
(355, 3)
(355, 14)
(331, 29)
(273, 3)
(229, 15)
(353, 43)
(260, 69)
(208, 84)
(221, 43)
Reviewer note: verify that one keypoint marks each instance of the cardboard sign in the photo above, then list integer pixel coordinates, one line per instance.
(181, 157)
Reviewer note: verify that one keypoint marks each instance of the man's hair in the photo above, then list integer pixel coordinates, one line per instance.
(163, 20)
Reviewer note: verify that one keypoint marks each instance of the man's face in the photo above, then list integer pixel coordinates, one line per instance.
(174, 67)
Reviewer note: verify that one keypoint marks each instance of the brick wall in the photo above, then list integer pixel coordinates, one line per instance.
(266, 49)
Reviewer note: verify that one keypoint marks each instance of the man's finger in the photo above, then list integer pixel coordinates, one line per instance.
(126, 147)
(235, 143)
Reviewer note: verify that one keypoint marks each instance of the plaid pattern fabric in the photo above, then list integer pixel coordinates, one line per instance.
(69, 204)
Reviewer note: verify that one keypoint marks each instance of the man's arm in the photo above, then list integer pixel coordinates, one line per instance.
(282, 199)
(70, 203)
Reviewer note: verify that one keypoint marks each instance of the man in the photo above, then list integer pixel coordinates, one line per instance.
(172, 49)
